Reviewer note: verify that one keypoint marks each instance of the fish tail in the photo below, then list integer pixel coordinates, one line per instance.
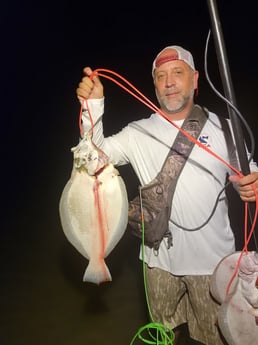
(97, 273)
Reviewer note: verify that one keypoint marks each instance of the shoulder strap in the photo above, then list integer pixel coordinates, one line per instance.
(182, 145)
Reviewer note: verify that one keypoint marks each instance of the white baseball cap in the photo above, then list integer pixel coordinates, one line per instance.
(181, 54)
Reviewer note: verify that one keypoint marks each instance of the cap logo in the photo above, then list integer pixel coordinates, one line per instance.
(165, 59)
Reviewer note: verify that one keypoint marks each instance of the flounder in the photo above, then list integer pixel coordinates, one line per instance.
(94, 208)
(238, 312)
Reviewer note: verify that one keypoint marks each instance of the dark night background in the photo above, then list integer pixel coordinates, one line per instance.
(44, 47)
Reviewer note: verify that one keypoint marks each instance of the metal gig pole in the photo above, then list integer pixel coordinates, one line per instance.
(229, 94)
(227, 85)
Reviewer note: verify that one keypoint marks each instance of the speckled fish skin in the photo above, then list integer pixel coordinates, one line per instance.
(94, 208)
(238, 312)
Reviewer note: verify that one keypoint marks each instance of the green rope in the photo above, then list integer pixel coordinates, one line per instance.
(152, 333)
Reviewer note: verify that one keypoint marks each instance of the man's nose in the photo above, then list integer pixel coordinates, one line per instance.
(170, 81)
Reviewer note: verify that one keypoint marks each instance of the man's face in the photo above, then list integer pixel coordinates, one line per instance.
(175, 83)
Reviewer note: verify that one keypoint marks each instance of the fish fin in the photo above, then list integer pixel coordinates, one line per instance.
(97, 273)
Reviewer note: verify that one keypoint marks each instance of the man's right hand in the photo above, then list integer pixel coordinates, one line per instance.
(90, 86)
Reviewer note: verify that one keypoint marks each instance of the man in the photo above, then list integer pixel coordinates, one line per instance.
(178, 277)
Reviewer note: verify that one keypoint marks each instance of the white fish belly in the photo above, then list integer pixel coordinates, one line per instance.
(94, 216)
(238, 312)
(114, 206)
(221, 277)
(237, 321)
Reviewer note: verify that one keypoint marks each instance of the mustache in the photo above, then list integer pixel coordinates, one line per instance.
(171, 90)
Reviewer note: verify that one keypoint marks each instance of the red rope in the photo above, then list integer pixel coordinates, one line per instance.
(85, 106)
(137, 94)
